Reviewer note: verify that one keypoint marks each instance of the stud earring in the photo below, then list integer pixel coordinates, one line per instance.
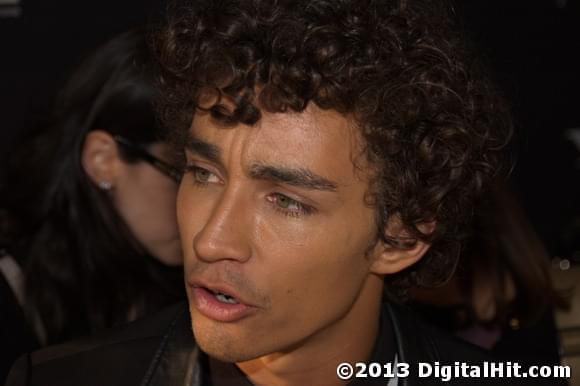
(105, 185)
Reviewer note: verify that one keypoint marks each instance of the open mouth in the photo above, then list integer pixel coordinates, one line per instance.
(218, 305)
(223, 298)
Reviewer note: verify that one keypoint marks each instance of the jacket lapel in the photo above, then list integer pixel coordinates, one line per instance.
(413, 345)
(176, 360)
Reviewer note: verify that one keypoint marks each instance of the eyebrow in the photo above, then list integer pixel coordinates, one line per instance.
(298, 177)
(204, 149)
(301, 178)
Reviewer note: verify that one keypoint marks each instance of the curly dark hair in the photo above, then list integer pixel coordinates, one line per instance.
(434, 126)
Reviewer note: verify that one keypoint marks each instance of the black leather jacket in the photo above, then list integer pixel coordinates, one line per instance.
(161, 351)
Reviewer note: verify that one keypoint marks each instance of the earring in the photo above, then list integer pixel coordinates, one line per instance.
(105, 185)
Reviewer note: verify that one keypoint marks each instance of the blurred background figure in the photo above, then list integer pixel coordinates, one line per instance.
(87, 218)
(502, 296)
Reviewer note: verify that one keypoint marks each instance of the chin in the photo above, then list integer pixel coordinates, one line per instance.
(227, 351)
(218, 343)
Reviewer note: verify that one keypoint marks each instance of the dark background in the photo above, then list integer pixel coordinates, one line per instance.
(39, 48)
(533, 48)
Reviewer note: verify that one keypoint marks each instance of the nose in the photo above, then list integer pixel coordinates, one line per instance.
(226, 234)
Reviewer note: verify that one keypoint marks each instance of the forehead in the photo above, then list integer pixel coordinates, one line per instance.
(324, 141)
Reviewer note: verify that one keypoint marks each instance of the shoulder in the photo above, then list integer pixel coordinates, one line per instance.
(419, 340)
(15, 334)
(8, 293)
(422, 345)
(11, 278)
(118, 357)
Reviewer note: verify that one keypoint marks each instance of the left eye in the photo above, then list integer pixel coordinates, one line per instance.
(286, 202)
(289, 206)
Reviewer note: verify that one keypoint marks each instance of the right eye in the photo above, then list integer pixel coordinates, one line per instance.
(202, 176)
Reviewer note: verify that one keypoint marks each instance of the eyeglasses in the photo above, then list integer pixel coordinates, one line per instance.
(140, 152)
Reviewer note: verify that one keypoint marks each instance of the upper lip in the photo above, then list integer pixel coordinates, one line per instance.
(219, 287)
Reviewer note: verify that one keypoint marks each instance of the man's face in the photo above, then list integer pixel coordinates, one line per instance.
(273, 216)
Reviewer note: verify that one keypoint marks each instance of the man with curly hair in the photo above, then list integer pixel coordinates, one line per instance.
(333, 151)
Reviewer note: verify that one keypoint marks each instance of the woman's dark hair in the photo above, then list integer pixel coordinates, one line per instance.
(433, 125)
(505, 264)
(83, 268)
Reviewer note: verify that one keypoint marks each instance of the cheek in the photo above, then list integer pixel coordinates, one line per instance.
(183, 207)
(165, 206)
(147, 204)
(317, 271)
(158, 202)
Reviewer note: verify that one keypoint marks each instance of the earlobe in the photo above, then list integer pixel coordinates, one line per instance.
(388, 259)
(100, 158)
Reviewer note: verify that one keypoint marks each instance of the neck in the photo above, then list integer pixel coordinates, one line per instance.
(314, 361)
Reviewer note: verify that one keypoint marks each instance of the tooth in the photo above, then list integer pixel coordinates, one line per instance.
(225, 298)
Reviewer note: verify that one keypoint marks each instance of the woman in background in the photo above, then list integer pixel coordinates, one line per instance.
(501, 296)
(87, 221)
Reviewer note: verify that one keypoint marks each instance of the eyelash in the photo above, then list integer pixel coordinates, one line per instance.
(303, 209)
(273, 198)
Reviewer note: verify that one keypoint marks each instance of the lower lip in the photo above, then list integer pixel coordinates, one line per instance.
(206, 303)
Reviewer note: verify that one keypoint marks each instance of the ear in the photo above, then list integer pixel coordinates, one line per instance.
(100, 158)
(389, 259)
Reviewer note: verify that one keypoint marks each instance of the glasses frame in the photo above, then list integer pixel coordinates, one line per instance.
(139, 151)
